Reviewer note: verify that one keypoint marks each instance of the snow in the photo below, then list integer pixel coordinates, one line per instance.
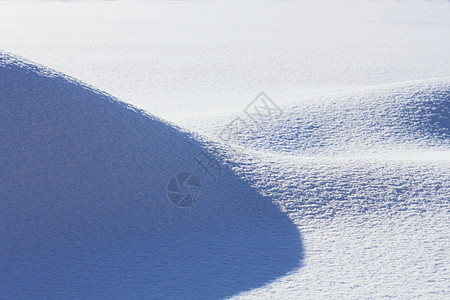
(85, 212)
(341, 193)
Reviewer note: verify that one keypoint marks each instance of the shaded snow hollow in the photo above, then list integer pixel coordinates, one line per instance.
(84, 210)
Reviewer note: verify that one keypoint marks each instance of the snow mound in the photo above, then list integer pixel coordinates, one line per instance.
(84, 206)
(408, 116)
(378, 150)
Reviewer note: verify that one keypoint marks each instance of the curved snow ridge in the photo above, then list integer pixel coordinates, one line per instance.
(351, 185)
(378, 151)
(85, 208)
(409, 116)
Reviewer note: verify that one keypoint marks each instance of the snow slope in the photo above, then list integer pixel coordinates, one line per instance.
(85, 210)
(365, 174)
(353, 175)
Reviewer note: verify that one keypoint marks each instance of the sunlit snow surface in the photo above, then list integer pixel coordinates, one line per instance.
(358, 160)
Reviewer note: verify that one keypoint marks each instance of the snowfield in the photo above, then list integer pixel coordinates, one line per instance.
(162, 172)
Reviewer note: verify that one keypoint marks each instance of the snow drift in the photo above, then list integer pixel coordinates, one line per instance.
(84, 210)
(359, 158)
(376, 150)
(409, 115)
